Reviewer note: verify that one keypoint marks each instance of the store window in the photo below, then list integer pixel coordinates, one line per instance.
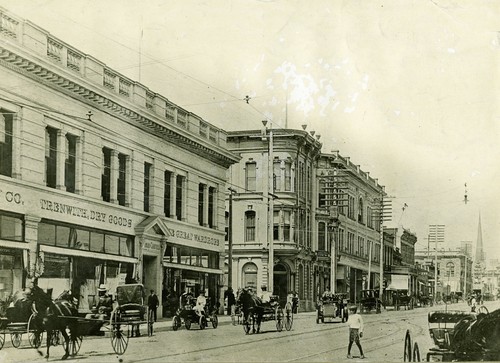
(67, 236)
(191, 256)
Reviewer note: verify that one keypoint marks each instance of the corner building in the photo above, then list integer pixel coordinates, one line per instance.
(102, 181)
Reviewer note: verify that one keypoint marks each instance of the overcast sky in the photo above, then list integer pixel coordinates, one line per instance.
(409, 90)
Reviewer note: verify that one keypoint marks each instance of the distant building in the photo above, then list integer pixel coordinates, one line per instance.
(454, 271)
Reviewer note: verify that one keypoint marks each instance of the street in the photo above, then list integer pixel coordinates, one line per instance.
(383, 340)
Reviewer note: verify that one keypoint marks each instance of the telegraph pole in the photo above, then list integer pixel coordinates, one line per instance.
(230, 240)
(436, 231)
(385, 216)
(270, 201)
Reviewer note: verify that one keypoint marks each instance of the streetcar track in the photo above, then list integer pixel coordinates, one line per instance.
(365, 340)
(248, 343)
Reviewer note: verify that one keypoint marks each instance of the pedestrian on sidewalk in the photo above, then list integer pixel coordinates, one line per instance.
(153, 303)
(231, 304)
(355, 323)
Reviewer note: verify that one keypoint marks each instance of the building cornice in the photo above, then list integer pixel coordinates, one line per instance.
(50, 77)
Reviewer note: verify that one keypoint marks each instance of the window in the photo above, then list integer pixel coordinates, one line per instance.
(6, 142)
(147, 183)
(249, 226)
(179, 197)
(286, 225)
(321, 236)
(322, 194)
(122, 178)
(369, 217)
(69, 236)
(211, 207)
(106, 174)
(167, 193)
(201, 203)
(50, 157)
(277, 175)
(450, 269)
(350, 208)
(276, 225)
(288, 176)
(251, 177)
(70, 163)
(360, 210)
(11, 227)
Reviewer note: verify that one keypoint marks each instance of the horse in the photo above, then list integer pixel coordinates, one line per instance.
(50, 316)
(478, 337)
(253, 309)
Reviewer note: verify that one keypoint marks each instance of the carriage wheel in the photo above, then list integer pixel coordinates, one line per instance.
(416, 353)
(407, 352)
(2, 340)
(74, 345)
(202, 322)
(215, 321)
(483, 310)
(34, 337)
(279, 319)
(16, 339)
(176, 322)
(119, 337)
(187, 322)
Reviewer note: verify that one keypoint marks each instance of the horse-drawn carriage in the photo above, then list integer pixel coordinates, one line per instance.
(459, 336)
(17, 321)
(187, 314)
(370, 300)
(256, 311)
(59, 318)
(332, 306)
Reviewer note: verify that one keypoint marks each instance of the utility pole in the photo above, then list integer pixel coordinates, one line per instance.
(270, 201)
(385, 215)
(436, 231)
(230, 240)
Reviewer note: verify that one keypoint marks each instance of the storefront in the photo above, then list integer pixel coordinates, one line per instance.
(191, 263)
(66, 242)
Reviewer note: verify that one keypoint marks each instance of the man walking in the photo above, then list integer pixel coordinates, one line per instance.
(153, 303)
(355, 323)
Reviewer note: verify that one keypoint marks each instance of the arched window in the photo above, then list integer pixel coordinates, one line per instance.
(450, 269)
(249, 226)
(250, 276)
(321, 236)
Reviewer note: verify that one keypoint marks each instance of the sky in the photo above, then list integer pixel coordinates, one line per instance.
(409, 90)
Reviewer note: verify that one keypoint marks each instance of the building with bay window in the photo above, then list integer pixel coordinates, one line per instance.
(102, 181)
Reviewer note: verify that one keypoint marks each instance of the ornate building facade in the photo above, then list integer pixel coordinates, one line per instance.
(102, 181)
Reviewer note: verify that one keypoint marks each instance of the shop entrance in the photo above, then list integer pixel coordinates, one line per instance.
(150, 272)
(280, 282)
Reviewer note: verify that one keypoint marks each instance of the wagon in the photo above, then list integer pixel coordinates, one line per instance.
(451, 334)
(333, 306)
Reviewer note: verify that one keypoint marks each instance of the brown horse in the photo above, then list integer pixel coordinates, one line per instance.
(477, 338)
(54, 316)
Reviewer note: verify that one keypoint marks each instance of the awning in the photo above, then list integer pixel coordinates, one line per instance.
(193, 268)
(80, 253)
